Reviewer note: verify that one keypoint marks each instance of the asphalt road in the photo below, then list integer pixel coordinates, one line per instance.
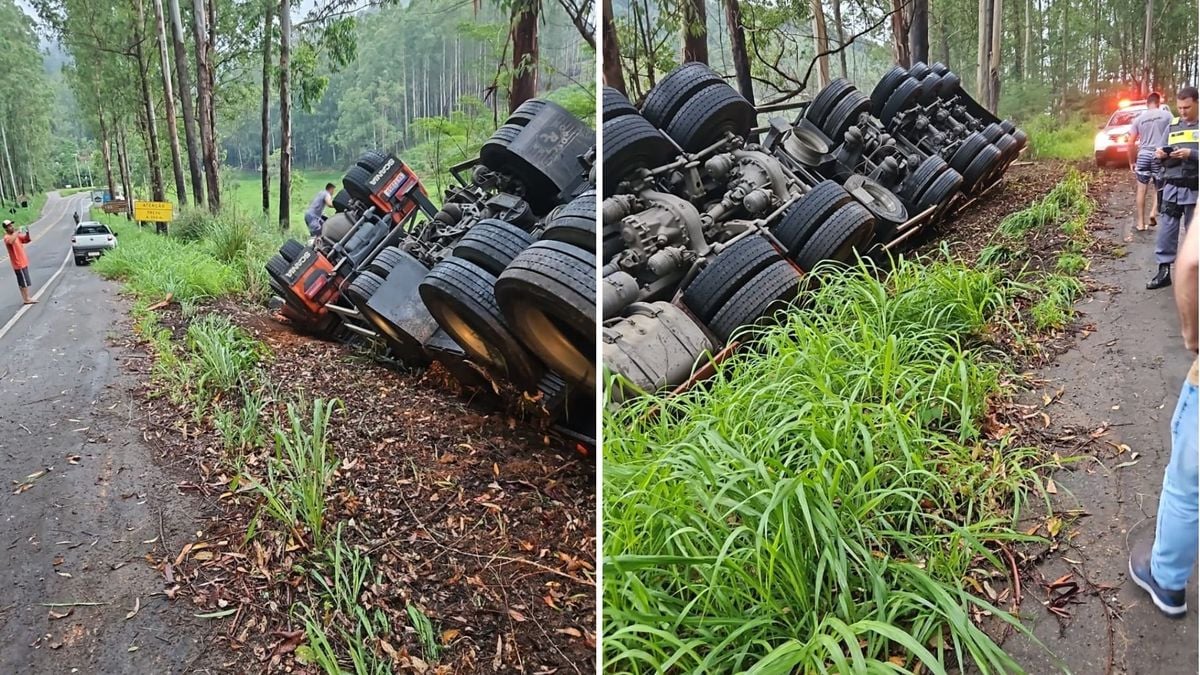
(83, 501)
(50, 246)
(1126, 375)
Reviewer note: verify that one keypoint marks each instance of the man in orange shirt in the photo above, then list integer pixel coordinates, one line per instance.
(20, 262)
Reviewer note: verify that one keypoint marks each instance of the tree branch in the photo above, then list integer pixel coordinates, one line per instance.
(808, 73)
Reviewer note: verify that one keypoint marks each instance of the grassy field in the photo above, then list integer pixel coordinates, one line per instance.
(245, 196)
(26, 215)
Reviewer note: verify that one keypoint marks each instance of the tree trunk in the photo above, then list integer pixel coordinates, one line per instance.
(525, 53)
(1026, 39)
(737, 45)
(265, 155)
(204, 104)
(106, 153)
(185, 99)
(152, 151)
(841, 36)
(285, 113)
(8, 159)
(944, 42)
(1147, 47)
(918, 32)
(169, 104)
(613, 75)
(994, 55)
(822, 44)
(981, 55)
(123, 165)
(900, 34)
(695, 31)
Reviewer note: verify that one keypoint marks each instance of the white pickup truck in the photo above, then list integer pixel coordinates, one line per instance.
(90, 240)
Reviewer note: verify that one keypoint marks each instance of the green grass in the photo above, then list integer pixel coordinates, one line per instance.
(817, 505)
(1050, 138)
(299, 473)
(24, 216)
(243, 196)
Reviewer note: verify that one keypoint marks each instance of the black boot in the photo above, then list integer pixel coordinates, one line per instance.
(1162, 279)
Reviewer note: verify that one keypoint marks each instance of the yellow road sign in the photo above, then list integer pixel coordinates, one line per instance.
(152, 212)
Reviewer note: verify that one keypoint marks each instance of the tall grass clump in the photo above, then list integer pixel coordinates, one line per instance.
(224, 356)
(153, 266)
(300, 471)
(343, 578)
(1052, 138)
(816, 506)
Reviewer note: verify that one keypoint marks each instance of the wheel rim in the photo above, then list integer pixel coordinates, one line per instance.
(548, 340)
(471, 341)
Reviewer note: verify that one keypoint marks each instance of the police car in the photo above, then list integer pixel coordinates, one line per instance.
(1112, 143)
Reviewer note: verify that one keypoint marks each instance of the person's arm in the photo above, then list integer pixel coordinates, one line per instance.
(1187, 295)
(328, 200)
(1132, 149)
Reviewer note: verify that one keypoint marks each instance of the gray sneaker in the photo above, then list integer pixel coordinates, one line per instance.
(1171, 603)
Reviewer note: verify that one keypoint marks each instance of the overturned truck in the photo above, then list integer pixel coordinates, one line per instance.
(711, 223)
(497, 283)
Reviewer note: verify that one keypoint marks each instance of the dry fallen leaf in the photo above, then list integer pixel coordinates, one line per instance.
(54, 616)
(1051, 488)
(516, 616)
(137, 604)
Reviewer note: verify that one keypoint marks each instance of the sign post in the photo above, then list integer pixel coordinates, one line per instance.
(159, 213)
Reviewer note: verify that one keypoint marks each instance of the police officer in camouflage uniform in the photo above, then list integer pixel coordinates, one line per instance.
(1181, 180)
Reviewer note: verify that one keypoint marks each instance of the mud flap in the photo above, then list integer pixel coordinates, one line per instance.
(397, 312)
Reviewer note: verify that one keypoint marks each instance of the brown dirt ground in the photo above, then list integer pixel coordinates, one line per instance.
(483, 521)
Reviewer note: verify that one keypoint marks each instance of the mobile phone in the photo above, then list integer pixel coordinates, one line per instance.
(1168, 149)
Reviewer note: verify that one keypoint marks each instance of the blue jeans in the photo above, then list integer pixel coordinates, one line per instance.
(1175, 537)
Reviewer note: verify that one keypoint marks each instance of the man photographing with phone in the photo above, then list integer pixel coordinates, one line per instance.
(1181, 180)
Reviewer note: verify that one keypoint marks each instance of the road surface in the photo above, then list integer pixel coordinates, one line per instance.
(1125, 375)
(79, 529)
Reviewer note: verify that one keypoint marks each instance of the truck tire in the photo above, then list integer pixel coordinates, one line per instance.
(769, 290)
(919, 70)
(615, 105)
(939, 68)
(365, 285)
(631, 143)
(277, 267)
(371, 160)
(548, 298)
(924, 175)
(1007, 145)
(983, 170)
(845, 114)
(492, 244)
(950, 85)
(525, 112)
(846, 231)
(903, 98)
(384, 262)
(675, 90)
(931, 89)
(727, 272)
(291, 250)
(884, 88)
(493, 153)
(461, 298)
(939, 192)
(355, 181)
(967, 150)
(575, 223)
(826, 100)
(804, 216)
(713, 111)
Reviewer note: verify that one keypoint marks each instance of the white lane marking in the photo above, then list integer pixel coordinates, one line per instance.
(36, 296)
(68, 201)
